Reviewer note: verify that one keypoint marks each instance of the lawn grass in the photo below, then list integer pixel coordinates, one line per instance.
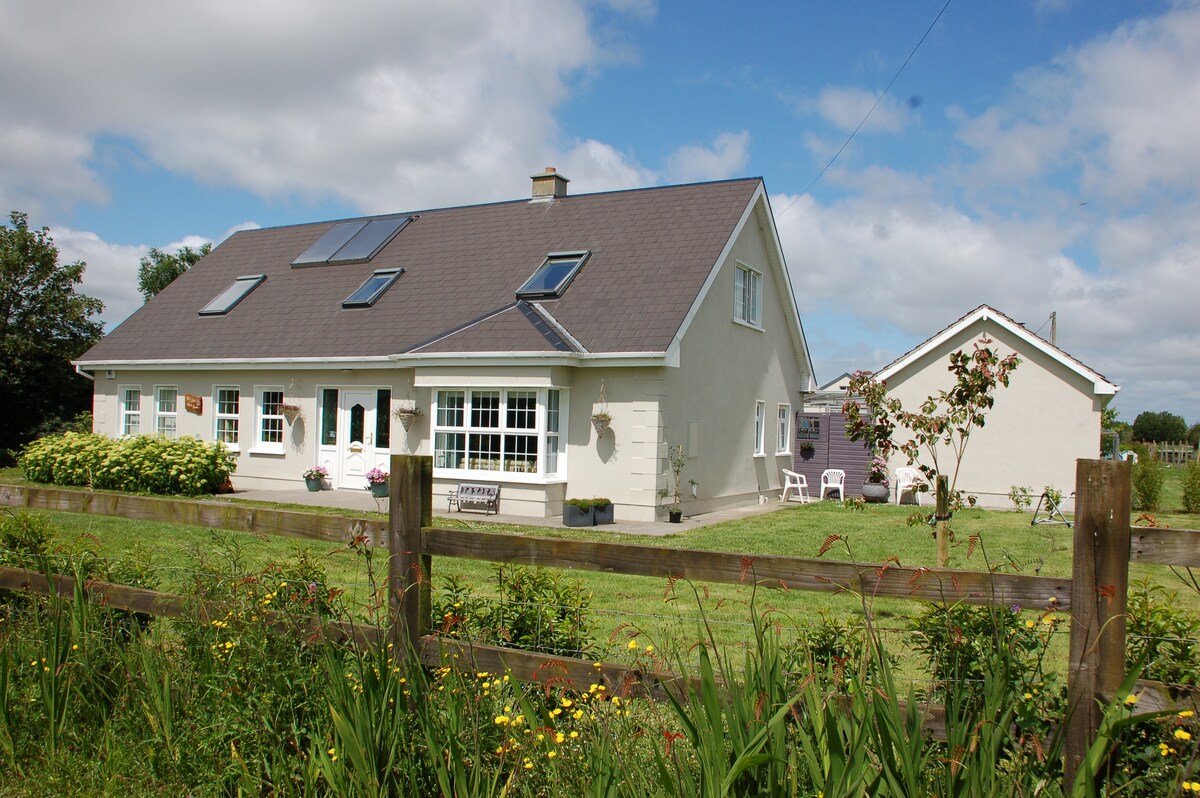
(672, 618)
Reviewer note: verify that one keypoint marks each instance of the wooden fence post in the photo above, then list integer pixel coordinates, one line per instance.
(1099, 591)
(410, 508)
(942, 520)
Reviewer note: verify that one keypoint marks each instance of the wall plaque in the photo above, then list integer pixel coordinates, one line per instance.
(193, 403)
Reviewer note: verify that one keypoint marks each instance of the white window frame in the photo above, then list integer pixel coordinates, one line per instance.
(262, 418)
(747, 295)
(541, 431)
(236, 417)
(161, 415)
(783, 430)
(760, 428)
(125, 414)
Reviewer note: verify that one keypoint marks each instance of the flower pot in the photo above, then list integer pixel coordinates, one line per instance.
(291, 414)
(574, 516)
(674, 516)
(313, 483)
(601, 426)
(406, 419)
(875, 492)
(379, 490)
(603, 514)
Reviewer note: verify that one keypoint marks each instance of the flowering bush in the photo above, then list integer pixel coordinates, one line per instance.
(377, 476)
(877, 471)
(139, 464)
(316, 472)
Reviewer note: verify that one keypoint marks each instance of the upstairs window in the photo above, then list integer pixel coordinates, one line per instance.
(353, 242)
(747, 296)
(373, 288)
(235, 293)
(553, 276)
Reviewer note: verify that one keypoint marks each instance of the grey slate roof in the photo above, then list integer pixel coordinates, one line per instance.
(652, 250)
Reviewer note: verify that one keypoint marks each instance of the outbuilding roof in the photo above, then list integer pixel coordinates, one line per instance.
(651, 252)
(1101, 386)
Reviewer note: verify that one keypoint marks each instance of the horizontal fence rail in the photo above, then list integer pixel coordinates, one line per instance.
(208, 514)
(788, 573)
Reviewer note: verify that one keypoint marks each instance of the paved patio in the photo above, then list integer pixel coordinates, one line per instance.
(362, 500)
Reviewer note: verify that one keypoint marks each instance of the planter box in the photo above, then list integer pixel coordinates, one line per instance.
(573, 516)
(604, 515)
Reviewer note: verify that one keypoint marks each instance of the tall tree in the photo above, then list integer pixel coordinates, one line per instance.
(1159, 426)
(44, 323)
(160, 268)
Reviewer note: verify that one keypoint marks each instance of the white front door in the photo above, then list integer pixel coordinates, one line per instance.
(356, 436)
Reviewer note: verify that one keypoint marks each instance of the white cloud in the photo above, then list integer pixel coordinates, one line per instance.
(845, 107)
(1122, 111)
(382, 104)
(726, 157)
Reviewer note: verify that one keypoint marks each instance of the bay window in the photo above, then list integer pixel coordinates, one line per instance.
(506, 431)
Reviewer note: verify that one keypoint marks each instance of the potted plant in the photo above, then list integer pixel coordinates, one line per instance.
(807, 449)
(578, 512)
(406, 413)
(377, 482)
(314, 478)
(677, 460)
(602, 511)
(601, 418)
(290, 411)
(877, 488)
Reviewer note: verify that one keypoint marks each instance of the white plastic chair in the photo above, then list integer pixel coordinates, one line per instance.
(795, 487)
(909, 479)
(833, 479)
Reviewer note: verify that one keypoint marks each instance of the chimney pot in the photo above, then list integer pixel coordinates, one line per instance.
(548, 185)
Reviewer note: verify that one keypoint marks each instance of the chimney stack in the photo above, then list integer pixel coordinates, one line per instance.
(549, 185)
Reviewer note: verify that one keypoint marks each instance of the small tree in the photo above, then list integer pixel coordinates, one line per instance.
(159, 269)
(945, 419)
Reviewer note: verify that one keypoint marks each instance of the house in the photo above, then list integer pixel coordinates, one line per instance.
(497, 331)
(1047, 418)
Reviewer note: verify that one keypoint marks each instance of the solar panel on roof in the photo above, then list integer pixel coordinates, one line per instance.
(372, 238)
(327, 245)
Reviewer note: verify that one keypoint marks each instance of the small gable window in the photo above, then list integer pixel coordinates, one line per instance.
(235, 293)
(353, 242)
(747, 296)
(554, 275)
(372, 289)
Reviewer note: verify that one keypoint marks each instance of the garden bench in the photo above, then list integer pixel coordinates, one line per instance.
(475, 494)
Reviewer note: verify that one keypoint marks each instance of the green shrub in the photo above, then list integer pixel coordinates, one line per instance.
(1148, 478)
(141, 464)
(1191, 489)
(538, 610)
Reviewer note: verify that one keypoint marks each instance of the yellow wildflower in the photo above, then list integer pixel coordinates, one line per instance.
(1180, 734)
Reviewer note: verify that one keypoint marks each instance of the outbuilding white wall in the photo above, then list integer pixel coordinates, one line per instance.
(1048, 417)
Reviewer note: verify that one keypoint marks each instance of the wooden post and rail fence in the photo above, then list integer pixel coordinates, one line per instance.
(1095, 595)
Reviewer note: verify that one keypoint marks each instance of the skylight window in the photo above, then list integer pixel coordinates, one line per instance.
(227, 299)
(554, 275)
(372, 289)
(353, 242)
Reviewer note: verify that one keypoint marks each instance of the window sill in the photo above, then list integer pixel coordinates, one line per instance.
(760, 454)
(743, 323)
(266, 452)
(783, 454)
(463, 475)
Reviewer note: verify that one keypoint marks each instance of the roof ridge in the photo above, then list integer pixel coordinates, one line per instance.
(497, 203)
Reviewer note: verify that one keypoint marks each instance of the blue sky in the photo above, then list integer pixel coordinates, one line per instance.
(1036, 155)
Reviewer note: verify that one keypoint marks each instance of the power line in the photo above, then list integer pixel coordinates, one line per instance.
(871, 110)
